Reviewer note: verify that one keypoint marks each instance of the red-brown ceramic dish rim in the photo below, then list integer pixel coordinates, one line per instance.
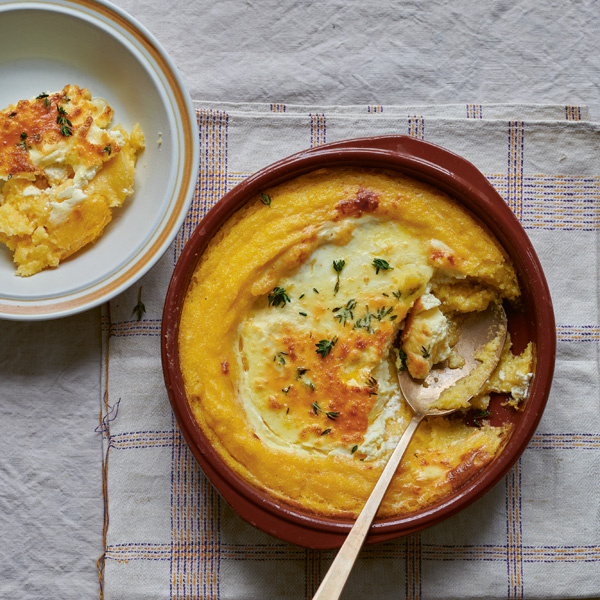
(535, 321)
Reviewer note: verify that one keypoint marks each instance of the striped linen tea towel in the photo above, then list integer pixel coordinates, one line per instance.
(536, 534)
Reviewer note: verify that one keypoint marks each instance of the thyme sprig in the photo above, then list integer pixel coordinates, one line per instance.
(330, 414)
(324, 347)
(345, 312)
(278, 297)
(338, 265)
(66, 127)
(365, 322)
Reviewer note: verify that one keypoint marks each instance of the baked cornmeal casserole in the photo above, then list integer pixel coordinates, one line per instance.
(301, 311)
(62, 172)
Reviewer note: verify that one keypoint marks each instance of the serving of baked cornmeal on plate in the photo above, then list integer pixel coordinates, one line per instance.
(298, 317)
(62, 172)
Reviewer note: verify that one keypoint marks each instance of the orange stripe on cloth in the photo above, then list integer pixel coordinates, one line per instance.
(514, 551)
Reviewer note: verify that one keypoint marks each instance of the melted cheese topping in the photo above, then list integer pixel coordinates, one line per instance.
(292, 328)
(61, 173)
(295, 395)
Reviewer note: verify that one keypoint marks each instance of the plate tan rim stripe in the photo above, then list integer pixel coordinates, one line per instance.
(186, 173)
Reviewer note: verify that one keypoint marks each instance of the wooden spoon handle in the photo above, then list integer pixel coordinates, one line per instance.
(333, 583)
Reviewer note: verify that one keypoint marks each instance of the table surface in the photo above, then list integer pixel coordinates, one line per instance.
(300, 52)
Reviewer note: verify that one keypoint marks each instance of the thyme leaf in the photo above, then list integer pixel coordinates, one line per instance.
(300, 371)
(480, 414)
(380, 265)
(46, 100)
(401, 362)
(280, 357)
(23, 142)
(338, 265)
(383, 312)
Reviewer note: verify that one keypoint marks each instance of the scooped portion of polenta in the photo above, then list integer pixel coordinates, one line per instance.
(62, 172)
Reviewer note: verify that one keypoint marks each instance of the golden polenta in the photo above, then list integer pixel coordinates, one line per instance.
(300, 313)
(62, 171)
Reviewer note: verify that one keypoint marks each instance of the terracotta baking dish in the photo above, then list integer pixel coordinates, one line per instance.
(533, 321)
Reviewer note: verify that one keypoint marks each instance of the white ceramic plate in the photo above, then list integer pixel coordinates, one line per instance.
(43, 47)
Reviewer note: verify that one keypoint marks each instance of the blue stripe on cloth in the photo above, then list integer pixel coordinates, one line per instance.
(279, 551)
(474, 111)
(416, 127)
(195, 528)
(318, 130)
(212, 178)
(413, 566)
